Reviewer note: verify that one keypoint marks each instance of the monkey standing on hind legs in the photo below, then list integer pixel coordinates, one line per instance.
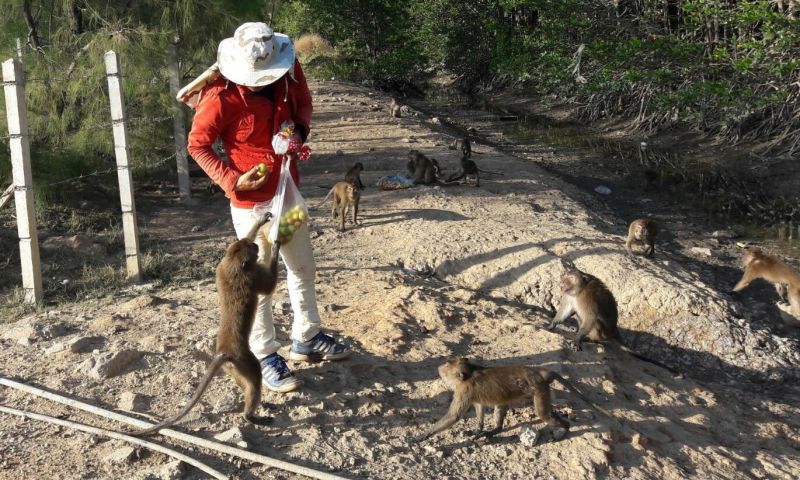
(240, 279)
(642, 230)
(594, 304)
(786, 279)
(477, 386)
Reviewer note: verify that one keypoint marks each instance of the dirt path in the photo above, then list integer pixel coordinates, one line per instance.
(431, 272)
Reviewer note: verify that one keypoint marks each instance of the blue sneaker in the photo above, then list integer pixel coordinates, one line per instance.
(276, 376)
(321, 347)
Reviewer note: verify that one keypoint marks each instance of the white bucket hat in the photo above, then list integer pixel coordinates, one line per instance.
(255, 56)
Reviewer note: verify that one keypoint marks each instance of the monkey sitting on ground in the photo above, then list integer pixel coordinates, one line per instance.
(477, 386)
(424, 170)
(469, 169)
(786, 279)
(587, 297)
(240, 279)
(642, 230)
(354, 175)
(344, 194)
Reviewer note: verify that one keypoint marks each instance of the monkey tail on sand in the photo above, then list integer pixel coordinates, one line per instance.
(638, 355)
(194, 440)
(215, 364)
(572, 388)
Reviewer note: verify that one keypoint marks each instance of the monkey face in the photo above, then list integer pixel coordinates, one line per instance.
(244, 252)
(571, 281)
(640, 232)
(455, 371)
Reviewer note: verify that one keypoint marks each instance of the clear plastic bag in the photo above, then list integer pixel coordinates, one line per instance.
(289, 211)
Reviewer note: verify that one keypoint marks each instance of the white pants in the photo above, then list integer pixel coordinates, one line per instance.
(301, 270)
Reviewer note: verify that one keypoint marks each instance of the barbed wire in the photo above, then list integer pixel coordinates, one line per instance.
(97, 173)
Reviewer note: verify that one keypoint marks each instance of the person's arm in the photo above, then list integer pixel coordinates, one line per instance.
(207, 124)
(302, 104)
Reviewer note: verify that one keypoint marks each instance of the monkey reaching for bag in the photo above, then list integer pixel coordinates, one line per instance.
(478, 387)
(645, 231)
(786, 279)
(240, 279)
(587, 297)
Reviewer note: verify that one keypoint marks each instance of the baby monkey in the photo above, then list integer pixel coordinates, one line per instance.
(478, 387)
(645, 231)
(587, 297)
(786, 279)
(240, 279)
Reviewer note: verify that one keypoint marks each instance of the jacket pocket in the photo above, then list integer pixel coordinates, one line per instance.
(245, 127)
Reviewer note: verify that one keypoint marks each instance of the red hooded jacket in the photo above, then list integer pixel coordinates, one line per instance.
(246, 122)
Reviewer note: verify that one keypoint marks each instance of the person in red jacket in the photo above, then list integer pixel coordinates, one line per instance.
(262, 88)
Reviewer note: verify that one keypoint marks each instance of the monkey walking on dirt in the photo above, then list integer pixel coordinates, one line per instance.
(477, 386)
(240, 279)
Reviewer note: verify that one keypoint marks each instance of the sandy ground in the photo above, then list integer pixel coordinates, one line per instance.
(429, 273)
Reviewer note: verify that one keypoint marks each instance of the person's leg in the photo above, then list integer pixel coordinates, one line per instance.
(308, 342)
(275, 373)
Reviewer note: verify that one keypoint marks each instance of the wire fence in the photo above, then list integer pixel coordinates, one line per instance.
(14, 83)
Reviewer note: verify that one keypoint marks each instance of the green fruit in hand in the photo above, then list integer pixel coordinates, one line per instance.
(262, 169)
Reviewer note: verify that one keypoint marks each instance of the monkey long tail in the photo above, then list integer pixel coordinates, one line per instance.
(490, 172)
(215, 364)
(572, 388)
(326, 197)
(646, 359)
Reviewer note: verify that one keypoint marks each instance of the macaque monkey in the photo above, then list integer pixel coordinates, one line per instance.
(476, 386)
(587, 297)
(466, 148)
(354, 175)
(645, 231)
(240, 279)
(786, 279)
(469, 169)
(394, 108)
(344, 194)
(423, 170)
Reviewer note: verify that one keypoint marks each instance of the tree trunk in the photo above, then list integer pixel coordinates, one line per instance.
(33, 37)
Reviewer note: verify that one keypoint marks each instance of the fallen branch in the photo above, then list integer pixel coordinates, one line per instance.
(194, 440)
(7, 195)
(118, 436)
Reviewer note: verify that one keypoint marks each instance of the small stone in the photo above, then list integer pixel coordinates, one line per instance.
(702, 251)
(133, 402)
(724, 234)
(233, 436)
(54, 330)
(639, 441)
(602, 190)
(529, 436)
(121, 456)
(559, 433)
(83, 344)
(109, 364)
(23, 334)
(172, 471)
(339, 153)
(436, 121)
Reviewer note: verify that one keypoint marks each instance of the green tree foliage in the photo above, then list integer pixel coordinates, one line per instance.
(66, 87)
